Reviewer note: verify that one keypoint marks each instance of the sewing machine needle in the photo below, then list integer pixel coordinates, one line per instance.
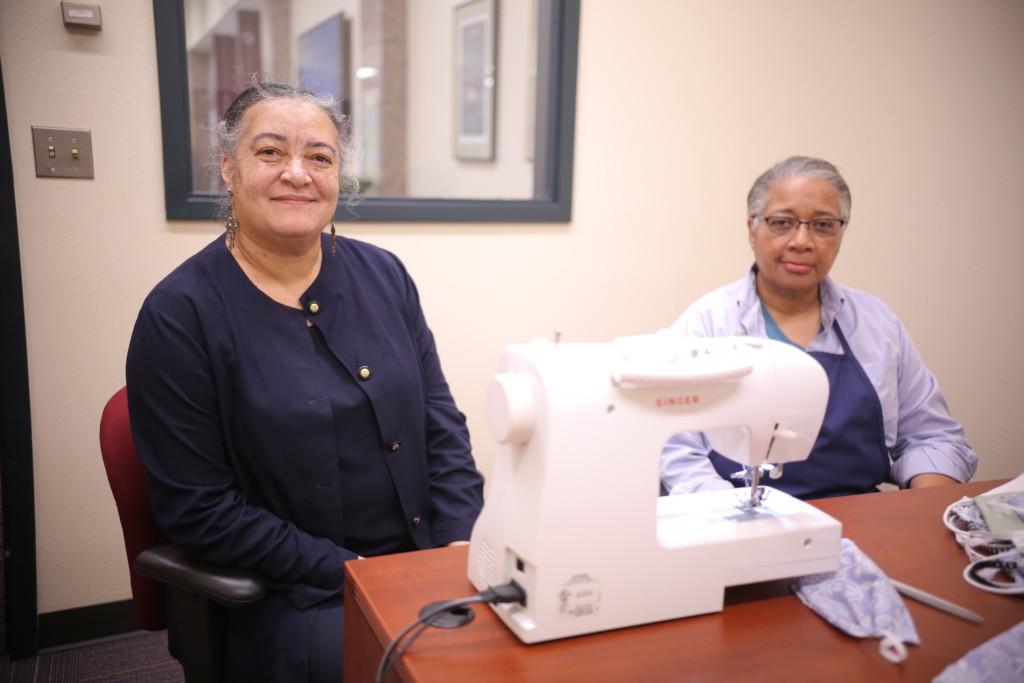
(936, 602)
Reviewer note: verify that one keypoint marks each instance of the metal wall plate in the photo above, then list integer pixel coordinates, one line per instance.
(81, 14)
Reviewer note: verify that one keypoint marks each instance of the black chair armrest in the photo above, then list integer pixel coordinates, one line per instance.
(170, 564)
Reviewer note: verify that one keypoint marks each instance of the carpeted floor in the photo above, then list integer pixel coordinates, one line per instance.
(134, 657)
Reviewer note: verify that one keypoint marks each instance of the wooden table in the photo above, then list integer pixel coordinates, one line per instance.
(764, 633)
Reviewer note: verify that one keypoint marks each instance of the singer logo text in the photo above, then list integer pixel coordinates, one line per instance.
(682, 400)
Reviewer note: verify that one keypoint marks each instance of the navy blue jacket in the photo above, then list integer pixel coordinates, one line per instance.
(231, 422)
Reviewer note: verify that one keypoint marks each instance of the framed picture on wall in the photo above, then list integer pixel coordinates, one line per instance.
(475, 79)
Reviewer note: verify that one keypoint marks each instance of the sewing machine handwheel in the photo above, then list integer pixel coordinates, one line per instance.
(510, 408)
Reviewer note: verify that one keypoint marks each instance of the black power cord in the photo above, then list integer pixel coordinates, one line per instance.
(509, 592)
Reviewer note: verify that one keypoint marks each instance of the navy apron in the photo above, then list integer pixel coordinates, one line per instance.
(849, 455)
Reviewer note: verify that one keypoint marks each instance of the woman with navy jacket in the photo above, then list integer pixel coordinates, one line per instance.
(286, 396)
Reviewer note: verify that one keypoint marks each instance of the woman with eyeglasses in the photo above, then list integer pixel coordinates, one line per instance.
(886, 419)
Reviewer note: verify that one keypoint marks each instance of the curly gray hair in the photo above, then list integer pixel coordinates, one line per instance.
(229, 130)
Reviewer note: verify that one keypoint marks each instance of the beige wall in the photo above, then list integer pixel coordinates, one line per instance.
(681, 104)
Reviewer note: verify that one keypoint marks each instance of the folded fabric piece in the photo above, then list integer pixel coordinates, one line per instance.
(1003, 512)
(859, 599)
(998, 660)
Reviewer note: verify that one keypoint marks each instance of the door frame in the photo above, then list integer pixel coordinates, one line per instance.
(21, 623)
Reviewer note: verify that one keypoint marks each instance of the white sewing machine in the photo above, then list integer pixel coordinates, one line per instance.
(573, 514)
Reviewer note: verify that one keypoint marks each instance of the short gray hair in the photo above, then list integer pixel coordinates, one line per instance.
(229, 128)
(798, 166)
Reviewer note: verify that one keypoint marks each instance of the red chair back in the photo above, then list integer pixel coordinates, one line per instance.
(128, 484)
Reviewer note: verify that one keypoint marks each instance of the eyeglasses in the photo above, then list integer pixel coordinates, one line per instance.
(820, 228)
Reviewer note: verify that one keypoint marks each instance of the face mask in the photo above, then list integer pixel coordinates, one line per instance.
(991, 530)
(860, 600)
(994, 661)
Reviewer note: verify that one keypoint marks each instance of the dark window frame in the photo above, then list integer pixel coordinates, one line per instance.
(554, 159)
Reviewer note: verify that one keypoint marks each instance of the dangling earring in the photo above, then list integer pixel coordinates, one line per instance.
(230, 224)
(334, 240)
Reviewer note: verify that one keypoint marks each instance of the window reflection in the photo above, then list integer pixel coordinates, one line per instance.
(441, 93)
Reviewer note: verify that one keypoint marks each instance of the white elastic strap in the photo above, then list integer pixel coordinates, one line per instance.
(983, 574)
(892, 648)
(950, 516)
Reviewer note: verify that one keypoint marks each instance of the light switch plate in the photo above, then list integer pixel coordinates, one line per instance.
(62, 152)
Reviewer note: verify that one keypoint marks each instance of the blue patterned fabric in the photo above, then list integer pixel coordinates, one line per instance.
(859, 599)
(998, 660)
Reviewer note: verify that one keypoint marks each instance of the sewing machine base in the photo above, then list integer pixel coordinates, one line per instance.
(702, 543)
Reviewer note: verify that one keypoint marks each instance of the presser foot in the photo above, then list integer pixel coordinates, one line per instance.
(751, 476)
(751, 502)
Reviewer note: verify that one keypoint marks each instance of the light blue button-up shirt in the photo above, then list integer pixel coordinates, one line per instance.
(919, 433)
